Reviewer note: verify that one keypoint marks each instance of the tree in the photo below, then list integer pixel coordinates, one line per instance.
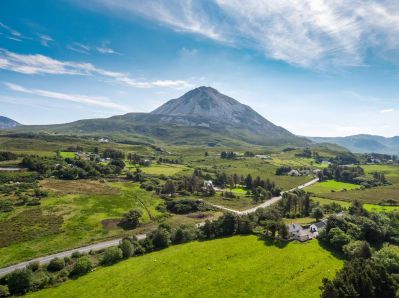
(160, 238)
(228, 224)
(360, 278)
(132, 218)
(169, 187)
(317, 213)
(127, 248)
(112, 255)
(56, 264)
(357, 249)
(338, 238)
(20, 281)
(82, 266)
(248, 182)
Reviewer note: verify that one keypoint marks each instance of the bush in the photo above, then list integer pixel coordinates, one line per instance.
(82, 266)
(56, 265)
(34, 266)
(112, 255)
(4, 292)
(160, 238)
(76, 254)
(127, 248)
(132, 219)
(40, 280)
(20, 281)
(184, 234)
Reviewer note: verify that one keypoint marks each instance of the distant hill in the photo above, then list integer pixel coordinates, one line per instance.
(202, 116)
(7, 123)
(364, 143)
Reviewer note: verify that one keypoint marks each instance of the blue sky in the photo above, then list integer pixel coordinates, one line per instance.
(317, 68)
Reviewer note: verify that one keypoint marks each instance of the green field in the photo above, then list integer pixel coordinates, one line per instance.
(330, 186)
(230, 267)
(165, 169)
(368, 207)
(84, 210)
(67, 154)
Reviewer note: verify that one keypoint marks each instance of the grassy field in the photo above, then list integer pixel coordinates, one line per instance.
(330, 186)
(66, 154)
(241, 266)
(84, 212)
(165, 169)
(241, 203)
(369, 207)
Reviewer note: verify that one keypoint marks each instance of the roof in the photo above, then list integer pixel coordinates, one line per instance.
(320, 225)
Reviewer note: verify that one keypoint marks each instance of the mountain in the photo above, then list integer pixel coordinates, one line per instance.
(364, 143)
(202, 116)
(7, 123)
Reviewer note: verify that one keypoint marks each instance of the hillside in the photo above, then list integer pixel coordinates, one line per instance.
(202, 116)
(7, 123)
(229, 267)
(364, 143)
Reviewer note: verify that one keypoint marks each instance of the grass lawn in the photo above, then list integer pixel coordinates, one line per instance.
(301, 221)
(330, 186)
(240, 266)
(67, 154)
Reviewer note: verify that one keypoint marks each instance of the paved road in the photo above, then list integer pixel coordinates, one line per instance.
(115, 242)
(266, 203)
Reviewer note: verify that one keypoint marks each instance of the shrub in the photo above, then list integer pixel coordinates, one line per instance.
(56, 265)
(112, 255)
(20, 281)
(82, 266)
(40, 280)
(4, 292)
(76, 254)
(34, 266)
(132, 219)
(127, 248)
(160, 238)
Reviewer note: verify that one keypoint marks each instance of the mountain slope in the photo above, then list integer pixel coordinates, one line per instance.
(7, 123)
(364, 143)
(202, 116)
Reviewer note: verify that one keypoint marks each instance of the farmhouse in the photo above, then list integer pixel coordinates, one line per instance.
(296, 232)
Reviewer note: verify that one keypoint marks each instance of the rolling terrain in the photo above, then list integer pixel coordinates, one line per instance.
(202, 116)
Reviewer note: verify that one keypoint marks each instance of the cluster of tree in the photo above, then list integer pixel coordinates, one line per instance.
(113, 154)
(344, 158)
(228, 155)
(283, 170)
(249, 154)
(139, 160)
(371, 271)
(169, 160)
(349, 174)
(375, 228)
(6, 155)
(307, 153)
(379, 158)
(185, 206)
(71, 168)
(131, 219)
(36, 276)
(76, 148)
(263, 188)
(295, 204)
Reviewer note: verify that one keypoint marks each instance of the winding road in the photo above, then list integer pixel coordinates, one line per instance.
(115, 242)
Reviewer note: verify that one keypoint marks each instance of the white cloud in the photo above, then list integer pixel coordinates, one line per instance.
(10, 30)
(79, 48)
(106, 50)
(387, 111)
(308, 33)
(78, 98)
(40, 64)
(45, 39)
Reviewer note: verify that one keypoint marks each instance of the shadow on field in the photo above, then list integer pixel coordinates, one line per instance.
(273, 242)
(327, 247)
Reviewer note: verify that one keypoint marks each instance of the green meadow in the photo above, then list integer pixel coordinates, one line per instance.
(230, 267)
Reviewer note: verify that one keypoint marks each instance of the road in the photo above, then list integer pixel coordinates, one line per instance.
(115, 242)
(266, 203)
